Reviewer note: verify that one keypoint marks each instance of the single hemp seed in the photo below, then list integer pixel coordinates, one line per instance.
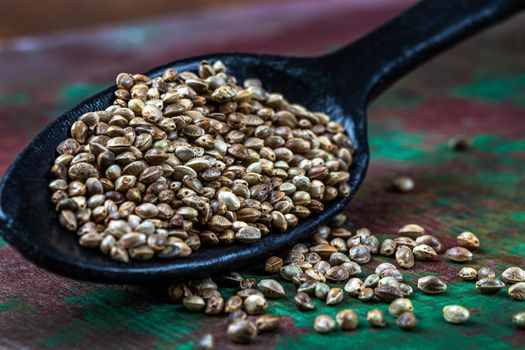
(468, 273)
(403, 184)
(489, 285)
(376, 318)
(324, 324)
(455, 314)
(242, 331)
(400, 305)
(347, 319)
(407, 321)
(517, 291)
(431, 285)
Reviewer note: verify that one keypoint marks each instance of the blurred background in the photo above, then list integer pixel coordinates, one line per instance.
(56, 15)
(27, 17)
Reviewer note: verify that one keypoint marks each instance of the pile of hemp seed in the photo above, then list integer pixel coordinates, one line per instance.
(330, 267)
(188, 160)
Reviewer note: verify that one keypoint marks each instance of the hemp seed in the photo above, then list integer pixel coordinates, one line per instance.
(489, 285)
(400, 305)
(403, 184)
(347, 319)
(513, 274)
(468, 273)
(486, 272)
(455, 314)
(407, 321)
(431, 285)
(517, 291)
(242, 331)
(376, 318)
(324, 324)
(459, 254)
(468, 240)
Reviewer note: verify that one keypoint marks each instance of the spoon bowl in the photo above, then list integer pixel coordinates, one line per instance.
(340, 84)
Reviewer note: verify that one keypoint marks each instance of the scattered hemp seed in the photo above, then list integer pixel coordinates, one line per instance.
(468, 273)
(271, 288)
(400, 305)
(411, 230)
(206, 343)
(486, 272)
(347, 319)
(429, 240)
(321, 290)
(404, 257)
(255, 304)
(194, 303)
(459, 254)
(388, 294)
(431, 285)
(334, 296)
(267, 323)
(388, 247)
(489, 285)
(324, 324)
(517, 291)
(455, 314)
(242, 331)
(237, 315)
(407, 321)
(403, 184)
(423, 252)
(468, 240)
(303, 302)
(519, 319)
(376, 318)
(513, 274)
(329, 265)
(191, 160)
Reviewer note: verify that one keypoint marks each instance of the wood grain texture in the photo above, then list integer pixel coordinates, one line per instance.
(476, 89)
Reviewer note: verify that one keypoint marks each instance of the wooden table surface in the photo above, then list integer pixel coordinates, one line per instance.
(477, 89)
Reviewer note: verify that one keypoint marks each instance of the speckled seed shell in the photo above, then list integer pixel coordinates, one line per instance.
(513, 274)
(468, 240)
(468, 273)
(242, 331)
(431, 285)
(459, 254)
(411, 230)
(517, 291)
(489, 285)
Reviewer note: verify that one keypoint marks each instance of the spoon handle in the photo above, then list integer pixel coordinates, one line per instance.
(415, 36)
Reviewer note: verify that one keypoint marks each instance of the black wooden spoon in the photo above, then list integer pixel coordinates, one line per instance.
(340, 84)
